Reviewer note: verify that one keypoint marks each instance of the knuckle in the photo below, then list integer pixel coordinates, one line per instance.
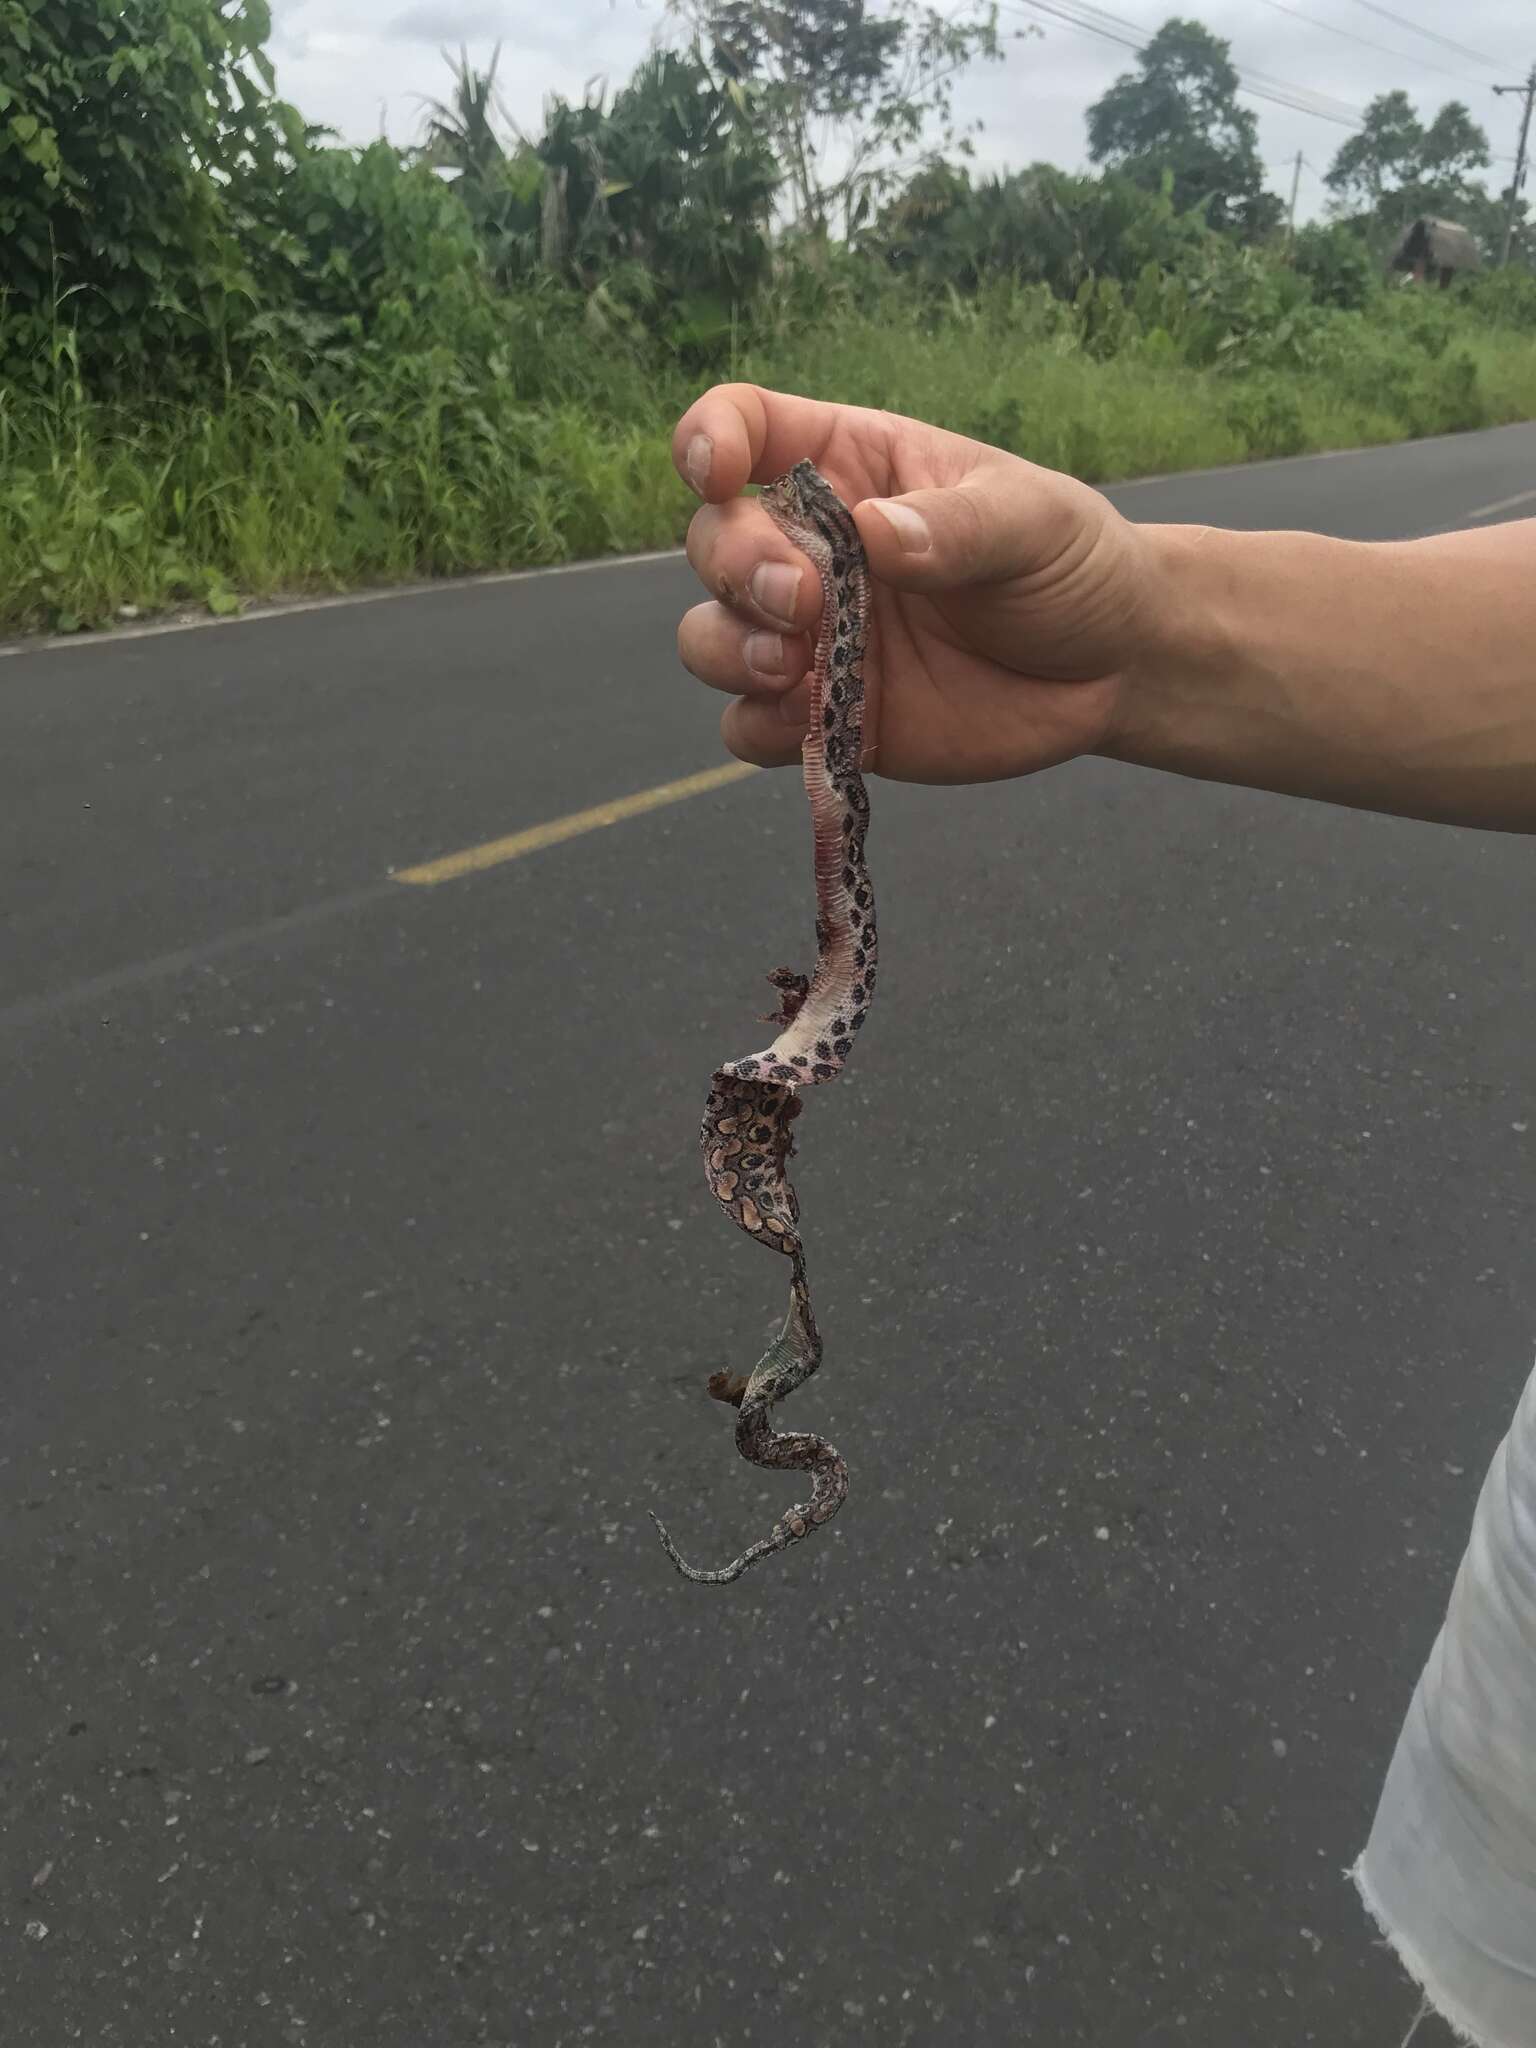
(967, 525)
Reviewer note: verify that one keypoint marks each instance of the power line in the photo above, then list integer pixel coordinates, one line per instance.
(1296, 99)
(1366, 43)
(1039, 7)
(1087, 13)
(1415, 28)
(1323, 103)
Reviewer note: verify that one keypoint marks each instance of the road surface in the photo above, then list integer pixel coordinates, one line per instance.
(1173, 1245)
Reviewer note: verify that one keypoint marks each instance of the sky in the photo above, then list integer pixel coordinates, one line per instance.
(363, 66)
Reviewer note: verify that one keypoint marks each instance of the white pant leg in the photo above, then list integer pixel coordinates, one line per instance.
(1449, 1872)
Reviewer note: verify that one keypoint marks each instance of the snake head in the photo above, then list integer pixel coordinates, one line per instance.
(793, 495)
(807, 511)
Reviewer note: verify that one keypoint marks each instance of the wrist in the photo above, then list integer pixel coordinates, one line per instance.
(1385, 675)
(1168, 703)
(1258, 664)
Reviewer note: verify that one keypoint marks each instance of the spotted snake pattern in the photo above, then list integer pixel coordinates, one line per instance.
(753, 1102)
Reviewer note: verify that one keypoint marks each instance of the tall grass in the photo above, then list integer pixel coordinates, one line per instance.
(280, 487)
(434, 462)
(1142, 412)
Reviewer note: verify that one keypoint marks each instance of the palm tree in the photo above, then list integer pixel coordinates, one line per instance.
(501, 189)
(459, 133)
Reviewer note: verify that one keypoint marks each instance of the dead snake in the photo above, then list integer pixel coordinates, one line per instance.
(752, 1102)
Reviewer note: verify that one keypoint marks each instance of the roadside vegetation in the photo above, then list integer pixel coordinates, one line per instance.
(237, 358)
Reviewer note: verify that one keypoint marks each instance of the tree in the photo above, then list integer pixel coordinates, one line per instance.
(1453, 148)
(674, 180)
(690, 181)
(848, 99)
(1177, 114)
(460, 132)
(660, 199)
(500, 188)
(1041, 225)
(1395, 168)
(361, 247)
(1380, 156)
(129, 131)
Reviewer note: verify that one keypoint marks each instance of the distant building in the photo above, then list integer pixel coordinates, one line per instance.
(1435, 251)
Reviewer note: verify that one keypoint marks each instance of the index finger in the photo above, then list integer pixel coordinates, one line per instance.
(738, 434)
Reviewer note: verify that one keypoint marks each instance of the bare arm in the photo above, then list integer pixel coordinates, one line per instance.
(1389, 676)
(1019, 620)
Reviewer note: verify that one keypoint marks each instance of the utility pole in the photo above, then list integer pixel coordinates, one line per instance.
(1527, 92)
(1290, 232)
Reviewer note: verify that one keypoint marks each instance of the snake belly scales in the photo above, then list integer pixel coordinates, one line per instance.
(754, 1101)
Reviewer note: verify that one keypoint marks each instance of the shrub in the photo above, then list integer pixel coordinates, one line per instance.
(1337, 266)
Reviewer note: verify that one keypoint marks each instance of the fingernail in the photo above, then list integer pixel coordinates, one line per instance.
(774, 587)
(795, 705)
(700, 453)
(764, 654)
(909, 527)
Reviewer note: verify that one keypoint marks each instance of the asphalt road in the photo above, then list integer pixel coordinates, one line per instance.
(1173, 1245)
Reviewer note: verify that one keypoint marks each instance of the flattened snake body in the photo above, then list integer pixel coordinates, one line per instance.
(752, 1102)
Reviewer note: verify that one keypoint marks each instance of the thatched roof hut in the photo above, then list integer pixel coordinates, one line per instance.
(1436, 249)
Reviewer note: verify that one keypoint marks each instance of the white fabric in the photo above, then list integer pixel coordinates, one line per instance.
(1449, 1872)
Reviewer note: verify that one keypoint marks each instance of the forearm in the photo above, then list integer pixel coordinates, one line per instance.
(1393, 676)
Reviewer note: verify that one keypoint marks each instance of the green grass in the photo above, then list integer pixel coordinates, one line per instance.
(103, 506)
(438, 465)
(1136, 415)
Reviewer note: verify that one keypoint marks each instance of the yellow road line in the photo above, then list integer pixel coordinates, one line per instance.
(537, 837)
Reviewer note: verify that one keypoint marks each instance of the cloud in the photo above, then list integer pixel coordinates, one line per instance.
(427, 22)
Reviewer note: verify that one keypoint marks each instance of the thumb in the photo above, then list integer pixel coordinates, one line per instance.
(997, 524)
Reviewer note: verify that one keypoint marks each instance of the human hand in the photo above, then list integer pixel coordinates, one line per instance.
(1010, 604)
